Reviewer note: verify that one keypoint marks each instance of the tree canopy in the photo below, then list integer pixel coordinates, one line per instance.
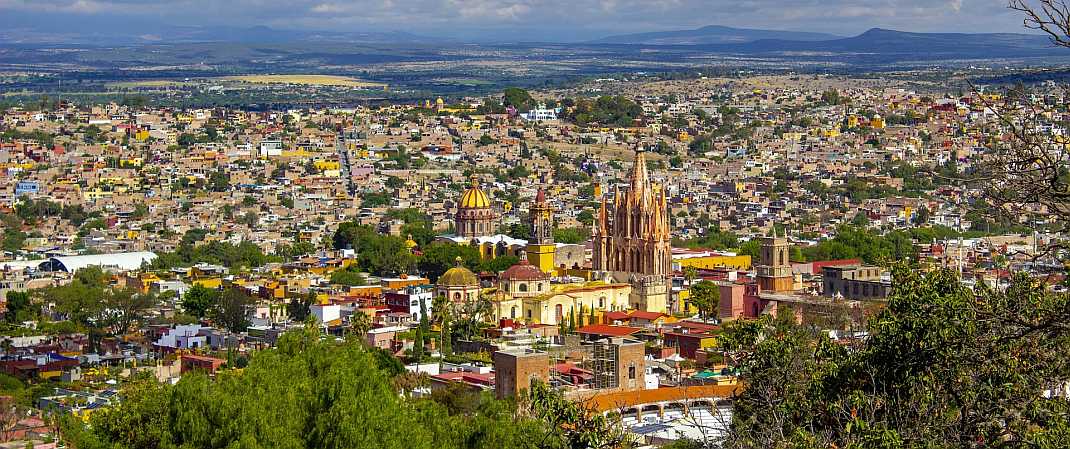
(944, 366)
(315, 393)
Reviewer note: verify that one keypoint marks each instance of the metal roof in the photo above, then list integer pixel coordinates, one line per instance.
(123, 261)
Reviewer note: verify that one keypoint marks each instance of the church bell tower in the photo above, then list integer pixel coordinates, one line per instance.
(541, 248)
(774, 266)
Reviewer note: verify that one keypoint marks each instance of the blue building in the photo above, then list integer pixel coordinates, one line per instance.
(27, 188)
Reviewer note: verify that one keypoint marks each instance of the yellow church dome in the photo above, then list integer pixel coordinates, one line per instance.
(458, 276)
(474, 198)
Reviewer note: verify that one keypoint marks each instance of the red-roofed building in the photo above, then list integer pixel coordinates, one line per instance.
(688, 344)
(192, 362)
(819, 266)
(599, 331)
(475, 381)
(635, 318)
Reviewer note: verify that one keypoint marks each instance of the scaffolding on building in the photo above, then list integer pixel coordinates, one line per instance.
(605, 359)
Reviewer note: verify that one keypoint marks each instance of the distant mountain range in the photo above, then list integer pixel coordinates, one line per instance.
(72, 30)
(713, 34)
(879, 41)
(876, 42)
(876, 46)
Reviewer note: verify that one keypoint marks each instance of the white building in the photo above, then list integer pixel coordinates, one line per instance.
(269, 148)
(116, 261)
(541, 114)
(184, 337)
(408, 301)
(325, 313)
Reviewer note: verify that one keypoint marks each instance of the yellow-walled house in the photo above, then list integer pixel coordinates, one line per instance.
(711, 261)
(326, 165)
(212, 283)
(97, 194)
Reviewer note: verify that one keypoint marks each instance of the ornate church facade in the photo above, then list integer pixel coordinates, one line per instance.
(632, 241)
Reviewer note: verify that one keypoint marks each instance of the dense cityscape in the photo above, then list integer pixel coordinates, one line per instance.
(694, 259)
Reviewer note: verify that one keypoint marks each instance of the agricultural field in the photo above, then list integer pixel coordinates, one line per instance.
(146, 84)
(310, 80)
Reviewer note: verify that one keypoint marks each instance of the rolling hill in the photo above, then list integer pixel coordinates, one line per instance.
(713, 34)
(879, 41)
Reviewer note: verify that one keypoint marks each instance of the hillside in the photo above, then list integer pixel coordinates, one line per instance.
(713, 34)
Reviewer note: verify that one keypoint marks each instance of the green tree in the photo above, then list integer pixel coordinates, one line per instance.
(360, 323)
(706, 297)
(518, 98)
(441, 256)
(122, 308)
(231, 310)
(299, 308)
(570, 425)
(381, 255)
(499, 264)
(921, 217)
(348, 277)
(418, 344)
(571, 235)
(394, 182)
(337, 391)
(19, 307)
(932, 372)
(89, 302)
(199, 300)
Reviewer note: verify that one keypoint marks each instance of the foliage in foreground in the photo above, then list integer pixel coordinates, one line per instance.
(945, 366)
(311, 393)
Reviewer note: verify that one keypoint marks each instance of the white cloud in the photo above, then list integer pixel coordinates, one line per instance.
(576, 16)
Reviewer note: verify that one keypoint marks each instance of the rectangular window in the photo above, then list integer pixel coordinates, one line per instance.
(631, 371)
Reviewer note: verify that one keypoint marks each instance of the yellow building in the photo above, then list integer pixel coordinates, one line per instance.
(555, 307)
(97, 194)
(714, 260)
(322, 165)
(877, 122)
(131, 162)
(793, 136)
(212, 283)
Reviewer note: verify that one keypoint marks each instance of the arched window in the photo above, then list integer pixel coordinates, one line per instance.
(512, 312)
(523, 287)
(558, 313)
(602, 302)
(538, 286)
(457, 297)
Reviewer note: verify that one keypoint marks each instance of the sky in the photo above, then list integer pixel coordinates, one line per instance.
(506, 20)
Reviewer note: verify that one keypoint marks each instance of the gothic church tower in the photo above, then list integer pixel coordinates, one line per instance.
(631, 238)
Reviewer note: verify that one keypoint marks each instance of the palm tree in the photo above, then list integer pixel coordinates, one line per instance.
(359, 324)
